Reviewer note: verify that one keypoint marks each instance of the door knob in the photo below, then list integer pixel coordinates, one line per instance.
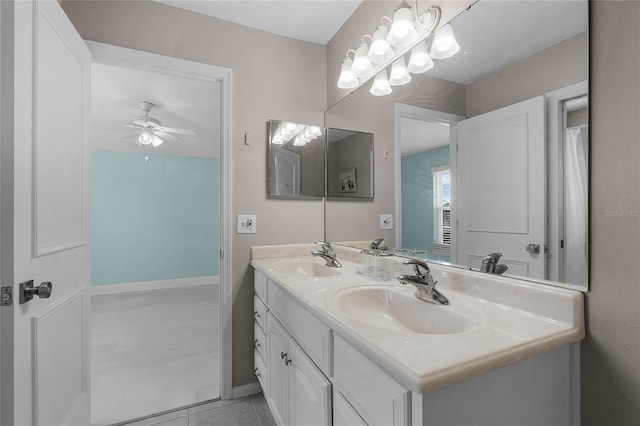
(27, 290)
(533, 248)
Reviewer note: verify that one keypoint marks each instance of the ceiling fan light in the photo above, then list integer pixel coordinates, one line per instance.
(145, 138)
(444, 43)
(399, 75)
(402, 32)
(380, 86)
(347, 80)
(156, 141)
(380, 51)
(361, 67)
(420, 61)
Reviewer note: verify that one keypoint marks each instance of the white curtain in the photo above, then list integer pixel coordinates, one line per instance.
(575, 204)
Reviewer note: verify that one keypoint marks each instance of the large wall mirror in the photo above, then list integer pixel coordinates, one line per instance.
(487, 151)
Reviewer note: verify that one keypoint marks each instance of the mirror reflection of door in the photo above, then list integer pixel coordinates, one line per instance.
(287, 172)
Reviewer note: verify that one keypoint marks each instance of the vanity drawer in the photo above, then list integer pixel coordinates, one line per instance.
(310, 333)
(260, 369)
(260, 285)
(260, 342)
(260, 313)
(373, 393)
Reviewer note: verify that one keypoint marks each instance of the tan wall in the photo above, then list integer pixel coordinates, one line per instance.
(553, 68)
(350, 152)
(293, 87)
(611, 352)
(364, 21)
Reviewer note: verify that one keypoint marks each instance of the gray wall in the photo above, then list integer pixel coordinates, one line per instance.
(611, 351)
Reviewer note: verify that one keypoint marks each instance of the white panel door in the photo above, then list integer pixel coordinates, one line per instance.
(287, 166)
(309, 391)
(51, 216)
(500, 187)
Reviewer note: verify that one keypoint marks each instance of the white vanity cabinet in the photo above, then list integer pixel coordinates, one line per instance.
(297, 391)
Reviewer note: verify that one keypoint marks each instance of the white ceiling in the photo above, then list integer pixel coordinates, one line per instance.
(418, 135)
(179, 102)
(311, 20)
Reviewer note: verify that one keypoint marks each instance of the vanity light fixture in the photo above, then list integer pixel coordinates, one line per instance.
(402, 32)
(419, 61)
(399, 75)
(300, 134)
(380, 86)
(347, 79)
(444, 43)
(380, 51)
(361, 67)
(389, 46)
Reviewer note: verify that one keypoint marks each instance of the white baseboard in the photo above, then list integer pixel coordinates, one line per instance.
(153, 285)
(245, 390)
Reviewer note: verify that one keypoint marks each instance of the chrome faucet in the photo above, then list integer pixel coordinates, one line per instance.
(490, 264)
(376, 244)
(423, 282)
(327, 254)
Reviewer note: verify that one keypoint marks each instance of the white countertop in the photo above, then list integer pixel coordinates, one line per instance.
(511, 319)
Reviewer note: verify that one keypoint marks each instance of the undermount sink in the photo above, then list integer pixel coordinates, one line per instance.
(307, 268)
(392, 308)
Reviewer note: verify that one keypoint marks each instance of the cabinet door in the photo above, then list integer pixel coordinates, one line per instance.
(277, 342)
(309, 391)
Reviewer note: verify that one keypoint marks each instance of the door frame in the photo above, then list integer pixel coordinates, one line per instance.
(429, 115)
(130, 58)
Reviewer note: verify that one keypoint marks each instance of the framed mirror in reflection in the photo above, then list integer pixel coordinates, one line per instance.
(349, 165)
(296, 160)
(492, 144)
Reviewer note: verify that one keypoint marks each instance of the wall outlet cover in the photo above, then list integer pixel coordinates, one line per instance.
(386, 221)
(246, 224)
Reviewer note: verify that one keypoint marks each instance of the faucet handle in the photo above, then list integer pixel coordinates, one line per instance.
(417, 264)
(326, 247)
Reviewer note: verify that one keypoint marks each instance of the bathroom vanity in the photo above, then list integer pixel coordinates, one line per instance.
(336, 347)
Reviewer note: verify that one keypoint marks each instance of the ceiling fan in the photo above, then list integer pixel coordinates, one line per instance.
(149, 130)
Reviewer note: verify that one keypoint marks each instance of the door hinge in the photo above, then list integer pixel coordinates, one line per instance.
(6, 296)
(221, 254)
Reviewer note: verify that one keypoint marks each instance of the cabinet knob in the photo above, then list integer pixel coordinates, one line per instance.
(257, 314)
(257, 372)
(257, 344)
(283, 355)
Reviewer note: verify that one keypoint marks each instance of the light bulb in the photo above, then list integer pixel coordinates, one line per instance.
(380, 51)
(156, 141)
(419, 61)
(399, 75)
(361, 67)
(444, 43)
(402, 32)
(380, 86)
(145, 137)
(347, 80)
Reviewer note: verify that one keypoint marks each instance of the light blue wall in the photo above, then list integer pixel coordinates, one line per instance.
(417, 198)
(153, 220)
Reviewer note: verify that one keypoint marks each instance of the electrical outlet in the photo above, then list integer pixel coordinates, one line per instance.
(386, 221)
(246, 224)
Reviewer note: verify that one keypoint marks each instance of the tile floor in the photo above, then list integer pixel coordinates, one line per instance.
(153, 351)
(250, 411)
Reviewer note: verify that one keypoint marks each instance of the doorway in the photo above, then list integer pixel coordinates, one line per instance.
(160, 202)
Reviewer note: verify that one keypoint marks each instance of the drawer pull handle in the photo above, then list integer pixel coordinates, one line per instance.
(257, 344)
(287, 360)
(257, 314)
(257, 372)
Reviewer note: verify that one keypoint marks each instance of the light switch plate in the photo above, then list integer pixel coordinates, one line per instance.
(386, 221)
(246, 224)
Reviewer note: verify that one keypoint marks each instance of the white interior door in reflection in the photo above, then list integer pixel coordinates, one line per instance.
(287, 165)
(500, 187)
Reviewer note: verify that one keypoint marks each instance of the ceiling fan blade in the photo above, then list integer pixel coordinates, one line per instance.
(167, 136)
(130, 135)
(175, 130)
